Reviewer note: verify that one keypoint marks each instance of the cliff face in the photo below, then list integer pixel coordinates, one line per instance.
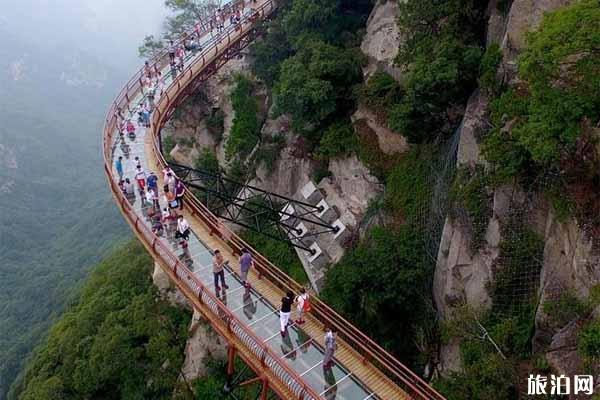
(570, 259)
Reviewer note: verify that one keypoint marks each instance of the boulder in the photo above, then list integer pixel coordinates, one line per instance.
(475, 121)
(389, 141)
(570, 263)
(203, 343)
(167, 289)
(523, 17)
(350, 188)
(380, 43)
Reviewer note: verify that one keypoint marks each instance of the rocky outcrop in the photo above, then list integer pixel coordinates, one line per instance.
(292, 169)
(475, 122)
(167, 289)
(350, 188)
(203, 342)
(570, 264)
(525, 16)
(381, 40)
(389, 141)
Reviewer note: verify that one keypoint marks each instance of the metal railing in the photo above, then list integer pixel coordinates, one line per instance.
(357, 341)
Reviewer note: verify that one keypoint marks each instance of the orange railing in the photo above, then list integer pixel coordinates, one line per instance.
(369, 351)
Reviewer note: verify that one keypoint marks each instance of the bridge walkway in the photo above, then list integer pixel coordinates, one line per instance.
(292, 365)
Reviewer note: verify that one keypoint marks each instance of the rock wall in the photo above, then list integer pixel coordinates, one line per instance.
(380, 43)
(463, 276)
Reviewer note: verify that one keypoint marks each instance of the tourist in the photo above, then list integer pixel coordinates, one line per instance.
(147, 69)
(219, 271)
(330, 347)
(173, 66)
(245, 263)
(130, 128)
(172, 51)
(302, 305)
(179, 192)
(285, 312)
(140, 177)
(183, 230)
(121, 185)
(154, 197)
(119, 167)
(128, 188)
(152, 181)
(169, 179)
(170, 198)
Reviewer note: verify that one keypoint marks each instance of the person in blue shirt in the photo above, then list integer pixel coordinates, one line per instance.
(152, 182)
(119, 166)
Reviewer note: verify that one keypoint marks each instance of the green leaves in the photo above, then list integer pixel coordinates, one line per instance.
(378, 285)
(114, 340)
(245, 130)
(560, 69)
(313, 81)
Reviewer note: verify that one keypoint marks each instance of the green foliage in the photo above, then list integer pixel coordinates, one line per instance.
(58, 222)
(310, 59)
(215, 123)
(379, 286)
(339, 140)
(440, 75)
(560, 69)
(279, 253)
(211, 385)
(565, 308)
(486, 371)
(489, 66)
(207, 161)
(520, 261)
(471, 202)
(441, 54)
(589, 342)
(314, 81)
(380, 93)
(114, 340)
(150, 47)
(269, 150)
(245, 130)
(407, 190)
(487, 376)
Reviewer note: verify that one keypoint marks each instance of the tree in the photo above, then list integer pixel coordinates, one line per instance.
(380, 284)
(560, 70)
(314, 81)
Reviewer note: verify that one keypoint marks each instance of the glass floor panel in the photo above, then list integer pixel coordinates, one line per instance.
(344, 388)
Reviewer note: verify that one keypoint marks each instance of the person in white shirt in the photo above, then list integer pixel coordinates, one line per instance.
(128, 187)
(140, 177)
(183, 229)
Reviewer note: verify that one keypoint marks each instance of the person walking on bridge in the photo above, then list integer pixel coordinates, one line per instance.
(246, 262)
(140, 177)
(152, 181)
(179, 192)
(119, 167)
(330, 348)
(303, 305)
(285, 312)
(219, 271)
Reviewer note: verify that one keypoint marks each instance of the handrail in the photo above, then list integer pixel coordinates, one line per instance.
(357, 340)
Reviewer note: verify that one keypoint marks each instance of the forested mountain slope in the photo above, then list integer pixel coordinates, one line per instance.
(56, 213)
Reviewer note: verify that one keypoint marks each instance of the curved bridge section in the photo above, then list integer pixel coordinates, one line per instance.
(290, 366)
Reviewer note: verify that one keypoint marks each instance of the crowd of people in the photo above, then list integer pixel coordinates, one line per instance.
(163, 206)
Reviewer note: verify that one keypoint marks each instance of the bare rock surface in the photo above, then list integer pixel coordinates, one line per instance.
(389, 141)
(203, 343)
(380, 43)
(168, 290)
